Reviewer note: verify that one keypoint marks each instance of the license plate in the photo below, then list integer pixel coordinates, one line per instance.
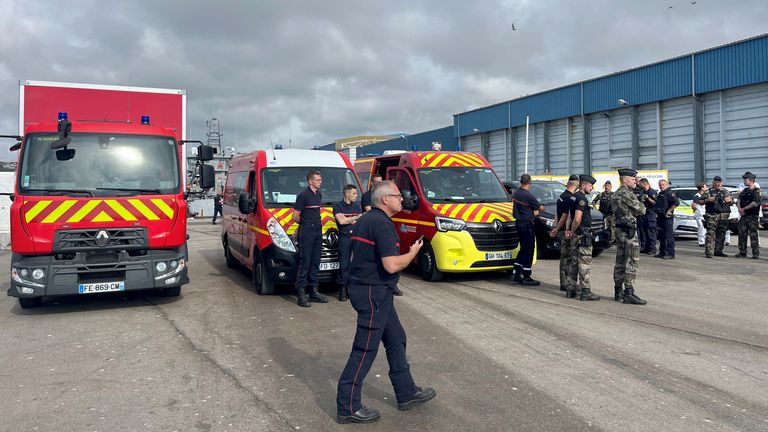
(329, 266)
(491, 256)
(100, 287)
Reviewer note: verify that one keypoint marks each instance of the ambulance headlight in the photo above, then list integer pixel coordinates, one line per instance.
(449, 224)
(279, 236)
(38, 274)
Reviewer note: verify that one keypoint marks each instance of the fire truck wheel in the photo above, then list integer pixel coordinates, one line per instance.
(264, 285)
(231, 261)
(30, 302)
(171, 291)
(428, 265)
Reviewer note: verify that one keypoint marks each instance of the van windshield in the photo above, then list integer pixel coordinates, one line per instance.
(281, 186)
(461, 184)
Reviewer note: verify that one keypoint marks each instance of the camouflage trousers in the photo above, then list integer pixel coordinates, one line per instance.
(578, 274)
(627, 254)
(610, 226)
(748, 226)
(717, 225)
(566, 260)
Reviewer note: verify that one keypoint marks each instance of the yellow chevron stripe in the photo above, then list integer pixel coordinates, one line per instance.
(141, 208)
(102, 217)
(493, 217)
(456, 211)
(500, 207)
(286, 219)
(469, 211)
(36, 209)
(278, 214)
(474, 159)
(434, 162)
(470, 161)
(60, 210)
(165, 208)
(84, 210)
(119, 209)
(481, 214)
(291, 229)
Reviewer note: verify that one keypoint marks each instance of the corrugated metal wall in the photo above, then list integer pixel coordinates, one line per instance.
(473, 144)
(599, 136)
(558, 146)
(677, 132)
(520, 150)
(498, 152)
(746, 132)
(577, 146)
(730, 66)
(538, 137)
(620, 143)
(648, 132)
(712, 153)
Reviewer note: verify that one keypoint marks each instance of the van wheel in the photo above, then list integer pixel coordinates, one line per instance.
(30, 302)
(262, 282)
(428, 265)
(171, 291)
(231, 261)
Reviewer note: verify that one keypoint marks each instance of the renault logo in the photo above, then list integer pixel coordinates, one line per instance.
(332, 238)
(497, 227)
(102, 238)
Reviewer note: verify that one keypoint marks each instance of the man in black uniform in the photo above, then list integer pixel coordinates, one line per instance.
(373, 274)
(306, 212)
(366, 200)
(580, 234)
(647, 223)
(666, 202)
(526, 207)
(564, 204)
(216, 208)
(347, 212)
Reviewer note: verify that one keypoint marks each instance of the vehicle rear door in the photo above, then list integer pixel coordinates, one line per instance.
(406, 221)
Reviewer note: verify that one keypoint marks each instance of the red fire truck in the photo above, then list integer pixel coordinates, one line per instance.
(99, 195)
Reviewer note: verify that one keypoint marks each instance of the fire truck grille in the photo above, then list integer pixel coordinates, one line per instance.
(101, 239)
(487, 239)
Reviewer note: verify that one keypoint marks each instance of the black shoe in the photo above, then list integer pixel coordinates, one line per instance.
(303, 300)
(658, 256)
(708, 256)
(517, 277)
(571, 294)
(702, 245)
(586, 295)
(342, 294)
(617, 293)
(527, 281)
(720, 254)
(755, 256)
(740, 255)
(317, 298)
(397, 292)
(363, 415)
(643, 251)
(668, 257)
(651, 252)
(562, 288)
(630, 297)
(421, 396)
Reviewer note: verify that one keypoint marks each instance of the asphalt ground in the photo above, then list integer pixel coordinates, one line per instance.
(502, 357)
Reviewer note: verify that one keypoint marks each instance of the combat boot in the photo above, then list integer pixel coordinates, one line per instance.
(303, 300)
(316, 297)
(517, 276)
(630, 297)
(740, 255)
(617, 296)
(343, 293)
(570, 293)
(720, 254)
(586, 295)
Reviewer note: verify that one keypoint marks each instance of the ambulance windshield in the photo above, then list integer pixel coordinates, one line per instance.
(461, 184)
(100, 165)
(281, 186)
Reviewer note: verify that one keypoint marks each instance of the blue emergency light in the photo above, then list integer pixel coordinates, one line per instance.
(145, 120)
(63, 116)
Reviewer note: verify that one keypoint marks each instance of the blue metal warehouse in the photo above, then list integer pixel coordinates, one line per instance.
(697, 115)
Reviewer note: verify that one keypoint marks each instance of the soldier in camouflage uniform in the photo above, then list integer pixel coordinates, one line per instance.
(603, 200)
(626, 208)
(749, 202)
(717, 203)
(564, 203)
(580, 233)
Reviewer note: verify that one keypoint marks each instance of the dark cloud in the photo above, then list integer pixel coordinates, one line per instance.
(315, 71)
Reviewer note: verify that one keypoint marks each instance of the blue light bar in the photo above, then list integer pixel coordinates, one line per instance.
(62, 116)
(145, 120)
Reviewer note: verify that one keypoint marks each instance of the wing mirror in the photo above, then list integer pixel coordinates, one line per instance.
(410, 201)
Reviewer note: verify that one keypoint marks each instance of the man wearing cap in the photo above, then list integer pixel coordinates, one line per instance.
(666, 203)
(603, 200)
(648, 221)
(564, 204)
(717, 204)
(627, 208)
(749, 202)
(525, 208)
(580, 233)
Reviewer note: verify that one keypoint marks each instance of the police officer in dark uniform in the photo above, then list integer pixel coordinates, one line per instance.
(581, 236)
(373, 274)
(564, 203)
(666, 202)
(647, 223)
(366, 203)
(217, 208)
(306, 212)
(526, 207)
(347, 212)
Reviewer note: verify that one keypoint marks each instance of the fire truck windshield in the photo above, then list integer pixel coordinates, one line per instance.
(281, 186)
(461, 184)
(99, 165)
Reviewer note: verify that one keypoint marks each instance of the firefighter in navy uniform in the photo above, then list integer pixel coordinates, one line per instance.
(347, 212)
(373, 275)
(306, 212)
(526, 207)
(366, 203)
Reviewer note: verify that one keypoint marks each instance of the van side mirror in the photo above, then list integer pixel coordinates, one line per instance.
(207, 176)
(410, 201)
(245, 204)
(204, 153)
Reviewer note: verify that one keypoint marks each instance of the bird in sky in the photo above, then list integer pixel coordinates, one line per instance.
(669, 7)
(513, 27)
(693, 2)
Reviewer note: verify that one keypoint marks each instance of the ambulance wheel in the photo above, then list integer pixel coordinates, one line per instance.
(171, 291)
(231, 261)
(262, 282)
(30, 302)
(428, 264)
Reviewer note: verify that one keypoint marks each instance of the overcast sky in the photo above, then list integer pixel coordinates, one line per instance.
(316, 70)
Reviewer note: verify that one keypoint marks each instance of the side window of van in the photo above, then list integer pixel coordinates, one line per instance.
(403, 182)
(235, 186)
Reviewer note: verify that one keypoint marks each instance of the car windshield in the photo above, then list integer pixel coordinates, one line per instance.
(100, 165)
(685, 195)
(547, 192)
(460, 184)
(281, 186)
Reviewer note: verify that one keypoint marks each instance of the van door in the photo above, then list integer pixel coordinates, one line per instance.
(406, 221)
(235, 233)
(250, 236)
